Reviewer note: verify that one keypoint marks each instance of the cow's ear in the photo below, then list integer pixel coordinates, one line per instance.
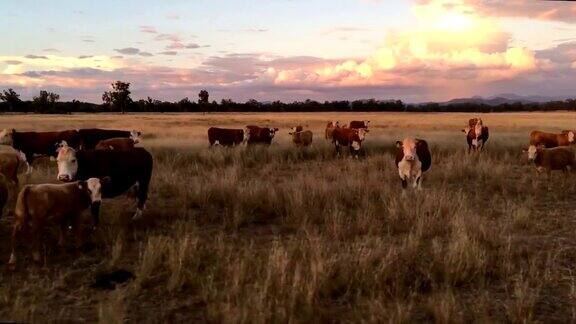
(464, 130)
(398, 144)
(82, 184)
(524, 150)
(106, 180)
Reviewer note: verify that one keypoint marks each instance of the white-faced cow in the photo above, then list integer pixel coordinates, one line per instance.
(57, 204)
(413, 158)
(476, 136)
(550, 159)
(260, 135)
(550, 140)
(124, 168)
(350, 137)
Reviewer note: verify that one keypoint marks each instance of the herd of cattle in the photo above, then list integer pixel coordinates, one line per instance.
(97, 163)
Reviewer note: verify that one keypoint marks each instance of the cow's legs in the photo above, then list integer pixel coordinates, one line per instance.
(337, 147)
(62, 236)
(79, 239)
(35, 239)
(404, 182)
(142, 196)
(17, 232)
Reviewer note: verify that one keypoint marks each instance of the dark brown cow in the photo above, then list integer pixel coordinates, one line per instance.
(260, 135)
(59, 204)
(124, 168)
(549, 159)
(90, 137)
(359, 124)
(352, 138)
(226, 136)
(412, 159)
(550, 140)
(38, 143)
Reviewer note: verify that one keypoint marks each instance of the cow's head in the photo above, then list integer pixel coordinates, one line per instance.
(272, 131)
(362, 133)
(408, 147)
(135, 136)
(67, 163)
(570, 135)
(246, 134)
(532, 151)
(7, 136)
(93, 189)
(466, 130)
(295, 130)
(366, 123)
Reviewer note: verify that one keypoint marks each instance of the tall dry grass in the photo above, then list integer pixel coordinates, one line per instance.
(281, 234)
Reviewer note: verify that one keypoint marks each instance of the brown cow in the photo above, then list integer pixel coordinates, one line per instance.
(550, 140)
(476, 136)
(226, 136)
(413, 158)
(352, 138)
(90, 137)
(60, 204)
(330, 129)
(549, 159)
(301, 137)
(260, 135)
(119, 143)
(359, 124)
(38, 143)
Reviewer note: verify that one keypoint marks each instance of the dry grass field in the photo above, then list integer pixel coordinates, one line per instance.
(282, 234)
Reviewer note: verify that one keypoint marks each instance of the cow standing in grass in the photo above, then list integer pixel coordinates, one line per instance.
(301, 137)
(550, 140)
(413, 159)
(260, 135)
(476, 134)
(551, 159)
(349, 137)
(330, 127)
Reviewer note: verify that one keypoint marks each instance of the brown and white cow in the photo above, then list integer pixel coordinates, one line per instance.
(330, 129)
(125, 169)
(90, 137)
(476, 136)
(359, 124)
(260, 135)
(119, 143)
(301, 137)
(413, 159)
(58, 204)
(550, 159)
(350, 137)
(38, 143)
(226, 136)
(550, 140)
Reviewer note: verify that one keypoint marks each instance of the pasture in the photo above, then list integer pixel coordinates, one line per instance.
(278, 234)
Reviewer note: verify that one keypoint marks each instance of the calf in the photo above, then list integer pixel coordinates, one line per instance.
(352, 138)
(557, 158)
(476, 136)
(359, 124)
(226, 136)
(413, 158)
(38, 143)
(119, 143)
(330, 129)
(550, 140)
(260, 135)
(59, 204)
(301, 137)
(123, 168)
(90, 137)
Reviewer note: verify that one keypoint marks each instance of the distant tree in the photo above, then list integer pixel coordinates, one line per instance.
(119, 97)
(46, 101)
(11, 98)
(203, 97)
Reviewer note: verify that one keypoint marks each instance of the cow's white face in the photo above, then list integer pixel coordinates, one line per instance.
(67, 163)
(292, 131)
(571, 137)
(409, 149)
(366, 123)
(135, 136)
(272, 132)
(532, 152)
(246, 134)
(6, 137)
(362, 134)
(95, 188)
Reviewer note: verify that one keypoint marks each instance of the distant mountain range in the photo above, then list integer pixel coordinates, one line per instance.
(505, 98)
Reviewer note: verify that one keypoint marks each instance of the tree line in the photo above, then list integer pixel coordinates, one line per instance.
(119, 99)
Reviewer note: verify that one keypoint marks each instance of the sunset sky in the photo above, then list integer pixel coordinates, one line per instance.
(414, 50)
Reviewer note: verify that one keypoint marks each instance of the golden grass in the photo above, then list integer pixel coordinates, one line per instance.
(282, 234)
